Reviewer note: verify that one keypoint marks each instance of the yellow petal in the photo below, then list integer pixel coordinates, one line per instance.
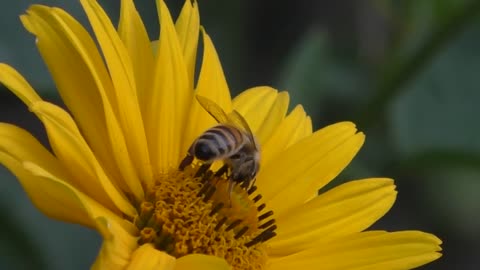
(74, 152)
(117, 247)
(83, 86)
(349, 208)
(146, 257)
(211, 84)
(371, 250)
(125, 93)
(54, 197)
(263, 108)
(135, 37)
(201, 262)
(293, 128)
(17, 84)
(118, 144)
(168, 98)
(298, 172)
(92, 208)
(188, 27)
(22, 146)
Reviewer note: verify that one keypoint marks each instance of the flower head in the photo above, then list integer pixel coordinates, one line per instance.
(126, 157)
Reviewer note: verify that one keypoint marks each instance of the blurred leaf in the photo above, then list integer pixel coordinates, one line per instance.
(456, 191)
(317, 78)
(439, 109)
(406, 61)
(443, 9)
(445, 159)
(303, 70)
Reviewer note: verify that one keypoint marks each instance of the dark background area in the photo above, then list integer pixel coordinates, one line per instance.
(405, 71)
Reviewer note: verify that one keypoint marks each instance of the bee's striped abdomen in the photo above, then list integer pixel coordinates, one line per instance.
(218, 142)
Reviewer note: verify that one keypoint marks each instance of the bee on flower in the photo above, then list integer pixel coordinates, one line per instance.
(168, 170)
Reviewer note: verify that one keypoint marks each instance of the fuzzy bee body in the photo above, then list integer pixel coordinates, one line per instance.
(219, 142)
(231, 141)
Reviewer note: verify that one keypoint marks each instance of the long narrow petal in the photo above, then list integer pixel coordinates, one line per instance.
(70, 147)
(119, 149)
(211, 84)
(117, 232)
(146, 257)
(305, 186)
(117, 247)
(296, 126)
(60, 203)
(371, 250)
(90, 206)
(168, 97)
(18, 146)
(309, 164)
(135, 37)
(263, 108)
(349, 208)
(201, 262)
(54, 197)
(17, 84)
(22, 146)
(188, 28)
(83, 86)
(126, 97)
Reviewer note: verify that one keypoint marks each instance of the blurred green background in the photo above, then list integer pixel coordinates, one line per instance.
(407, 72)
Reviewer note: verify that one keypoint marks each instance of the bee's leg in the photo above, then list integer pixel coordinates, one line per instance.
(222, 170)
(201, 171)
(245, 184)
(252, 183)
(207, 176)
(188, 158)
(185, 162)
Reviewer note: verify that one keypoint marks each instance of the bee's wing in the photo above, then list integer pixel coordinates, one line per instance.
(236, 119)
(213, 109)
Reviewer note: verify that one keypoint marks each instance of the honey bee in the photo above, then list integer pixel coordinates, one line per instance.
(231, 141)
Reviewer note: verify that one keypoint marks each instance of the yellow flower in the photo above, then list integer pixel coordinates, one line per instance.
(132, 115)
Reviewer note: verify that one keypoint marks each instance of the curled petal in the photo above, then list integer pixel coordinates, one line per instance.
(117, 247)
(146, 257)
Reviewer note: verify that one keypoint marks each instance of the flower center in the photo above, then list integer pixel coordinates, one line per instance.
(196, 211)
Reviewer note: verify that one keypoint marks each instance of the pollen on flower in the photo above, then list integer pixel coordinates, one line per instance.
(193, 211)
